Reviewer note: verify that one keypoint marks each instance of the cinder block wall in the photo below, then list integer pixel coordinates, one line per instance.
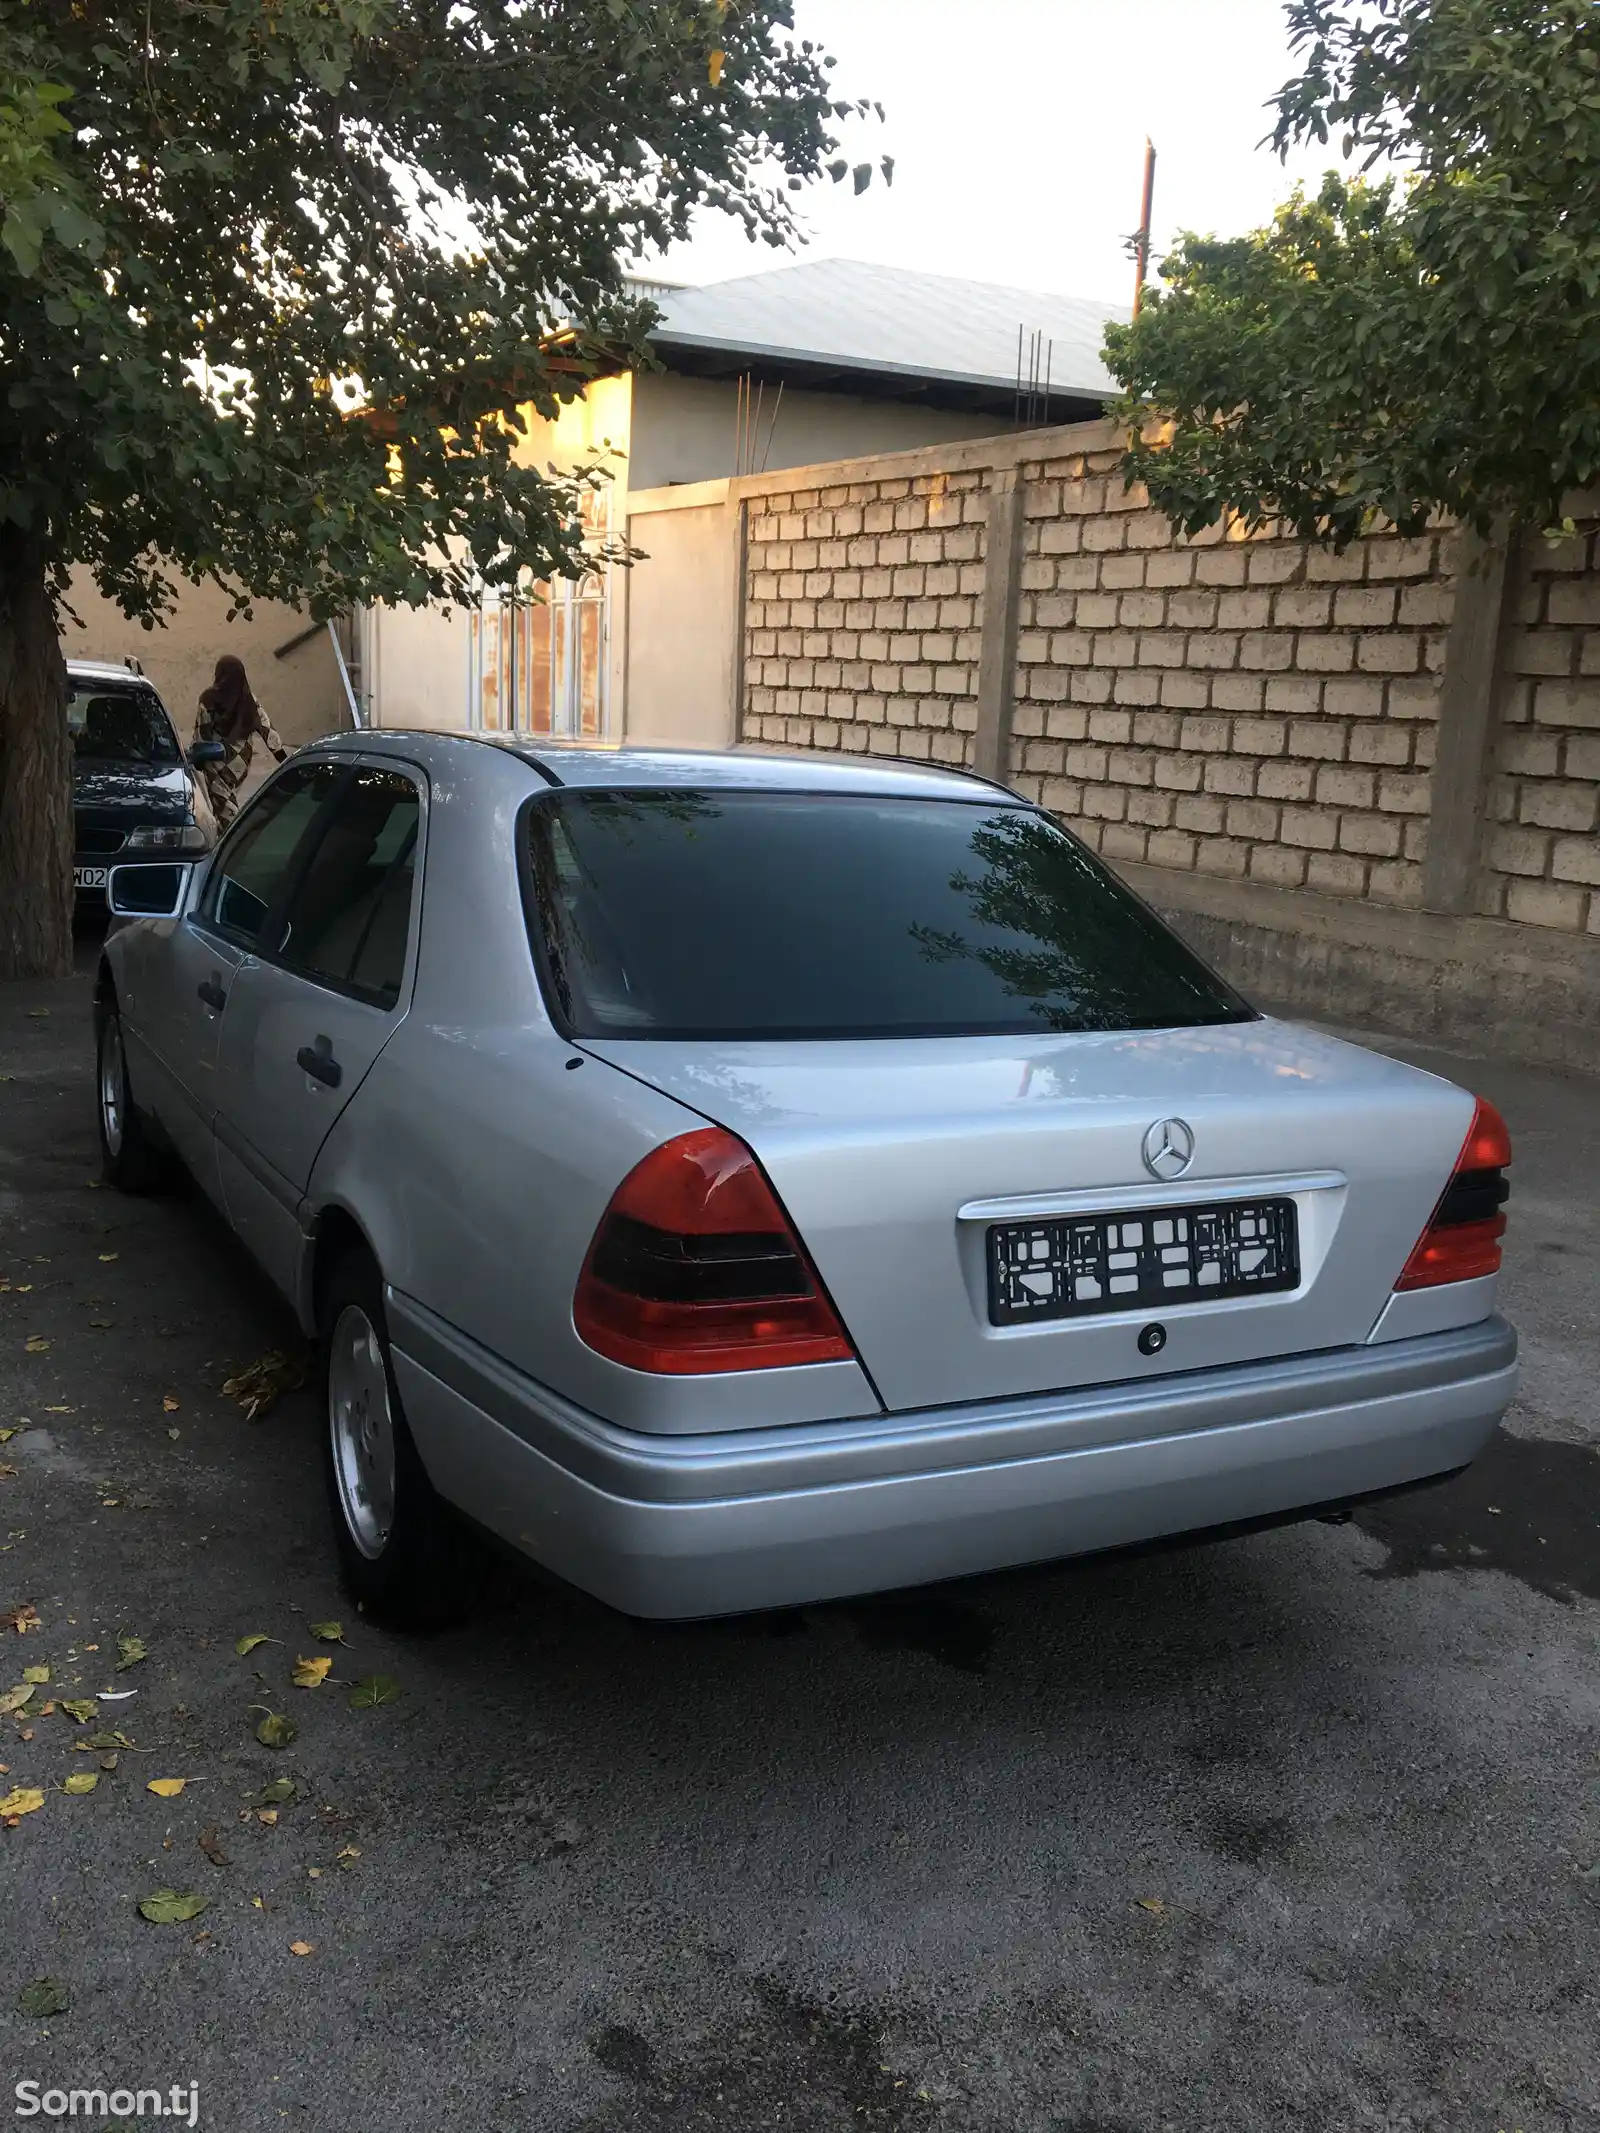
(1260, 709)
(1542, 857)
(1254, 711)
(861, 615)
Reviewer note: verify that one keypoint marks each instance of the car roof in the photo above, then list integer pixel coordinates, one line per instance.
(107, 670)
(615, 768)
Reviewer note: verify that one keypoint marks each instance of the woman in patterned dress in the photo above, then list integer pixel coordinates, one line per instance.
(229, 713)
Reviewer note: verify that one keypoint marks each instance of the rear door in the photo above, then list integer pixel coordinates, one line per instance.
(310, 1014)
(187, 980)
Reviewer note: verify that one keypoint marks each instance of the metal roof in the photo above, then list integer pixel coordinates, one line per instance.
(849, 315)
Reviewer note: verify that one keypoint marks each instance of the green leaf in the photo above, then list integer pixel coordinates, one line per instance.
(372, 1690)
(80, 1708)
(78, 231)
(130, 1651)
(276, 1730)
(167, 1907)
(246, 1645)
(43, 1997)
(274, 1795)
(78, 1782)
(329, 1632)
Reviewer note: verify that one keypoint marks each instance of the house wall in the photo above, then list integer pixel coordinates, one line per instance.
(301, 693)
(1249, 728)
(684, 429)
(681, 596)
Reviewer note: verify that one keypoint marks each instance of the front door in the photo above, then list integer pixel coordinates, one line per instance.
(306, 1021)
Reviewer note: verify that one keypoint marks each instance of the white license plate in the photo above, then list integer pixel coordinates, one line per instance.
(89, 877)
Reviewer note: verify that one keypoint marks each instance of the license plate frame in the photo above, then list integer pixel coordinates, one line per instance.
(89, 877)
(1127, 1259)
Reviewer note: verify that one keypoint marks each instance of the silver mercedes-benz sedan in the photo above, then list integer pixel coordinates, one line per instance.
(737, 1180)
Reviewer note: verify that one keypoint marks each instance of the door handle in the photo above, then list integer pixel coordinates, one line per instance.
(212, 994)
(319, 1062)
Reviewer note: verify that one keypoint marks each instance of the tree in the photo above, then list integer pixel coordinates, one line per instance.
(276, 280)
(1392, 347)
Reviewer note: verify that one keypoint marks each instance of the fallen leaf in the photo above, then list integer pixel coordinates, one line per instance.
(302, 1947)
(14, 1699)
(97, 1743)
(313, 1873)
(1150, 1903)
(21, 1800)
(246, 1645)
(44, 1997)
(348, 1855)
(80, 1782)
(7, 1472)
(311, 1673)
(38, 1675)
(102, 1325)
(329, 1632)
(108, 1762)
(273, 1795)
(276, 1731)
(267, 1815)
(107, 1257)
(166, 1788)
(38, 1014)
(210, 1842)
(174, 1434)
(373, 1690)
(80, 1708)
(166, 1907)
(36, 1344)
(169, 1405)
(6, 1435)
(261, 1383)
(130, 1650)
(21, 1619)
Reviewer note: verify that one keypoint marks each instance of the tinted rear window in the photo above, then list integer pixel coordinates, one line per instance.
(751, 915)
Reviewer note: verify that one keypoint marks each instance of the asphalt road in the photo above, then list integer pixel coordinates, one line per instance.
(1300, 1831)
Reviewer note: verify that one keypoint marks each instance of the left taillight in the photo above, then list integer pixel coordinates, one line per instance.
(696, 1268)
(1462, 1239)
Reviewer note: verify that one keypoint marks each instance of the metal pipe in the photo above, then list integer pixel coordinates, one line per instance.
(1142, 235)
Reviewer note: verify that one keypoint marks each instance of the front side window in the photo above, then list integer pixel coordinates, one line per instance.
(113, 724)
(765, 915)
(253, 869)
(349, 917)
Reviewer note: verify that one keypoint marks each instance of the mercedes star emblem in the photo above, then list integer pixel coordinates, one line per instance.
(1169, 1148)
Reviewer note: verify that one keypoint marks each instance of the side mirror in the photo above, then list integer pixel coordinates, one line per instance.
(153, 890)
(202, 752)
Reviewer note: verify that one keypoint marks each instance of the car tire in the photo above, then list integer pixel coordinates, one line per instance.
(406, 1557)
(131, 1160)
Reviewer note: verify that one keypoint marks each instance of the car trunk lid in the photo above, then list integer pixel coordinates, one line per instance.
(895, 1159)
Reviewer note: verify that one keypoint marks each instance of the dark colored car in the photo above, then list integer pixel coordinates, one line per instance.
(135, 794)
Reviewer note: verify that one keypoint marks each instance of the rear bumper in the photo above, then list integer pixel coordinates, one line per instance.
(707, 1525)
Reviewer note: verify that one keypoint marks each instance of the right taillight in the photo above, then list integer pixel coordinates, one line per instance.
(696, 1268)
(1462, 1239)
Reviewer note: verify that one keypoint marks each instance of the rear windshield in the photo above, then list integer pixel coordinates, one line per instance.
(112, 725)
(760, 915)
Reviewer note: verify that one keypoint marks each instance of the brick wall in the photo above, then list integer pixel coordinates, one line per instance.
(861, 616)
(1253, 708)
(1258, 709)
(1542, 857)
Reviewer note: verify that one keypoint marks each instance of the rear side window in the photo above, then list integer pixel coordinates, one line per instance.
(349, 918)
(751, 915)
(253, 868)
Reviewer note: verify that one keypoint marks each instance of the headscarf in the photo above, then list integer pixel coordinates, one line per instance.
(234, 713)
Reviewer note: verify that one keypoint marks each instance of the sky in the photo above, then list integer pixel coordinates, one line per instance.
(1018, 131)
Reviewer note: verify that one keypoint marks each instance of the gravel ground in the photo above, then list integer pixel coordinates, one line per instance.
(1300, 1831)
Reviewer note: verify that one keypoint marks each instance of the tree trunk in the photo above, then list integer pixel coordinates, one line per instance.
(35, 774)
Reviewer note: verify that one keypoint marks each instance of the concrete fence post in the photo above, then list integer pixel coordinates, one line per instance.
(1458, 794)
(997, 654)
